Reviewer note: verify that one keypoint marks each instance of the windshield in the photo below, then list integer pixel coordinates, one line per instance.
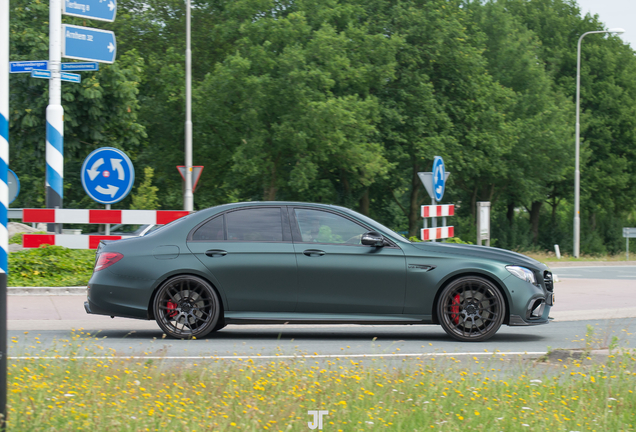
(394, 236)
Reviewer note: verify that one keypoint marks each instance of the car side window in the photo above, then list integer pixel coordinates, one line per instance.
(212, 230)
(255, 224)
(323, 227)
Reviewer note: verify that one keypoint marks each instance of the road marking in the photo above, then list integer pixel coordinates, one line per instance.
(269, 357)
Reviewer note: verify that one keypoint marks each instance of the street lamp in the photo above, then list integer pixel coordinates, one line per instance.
(577, 173)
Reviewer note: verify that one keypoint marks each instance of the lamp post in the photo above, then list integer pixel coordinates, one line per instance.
(188, 198)
(577, 173)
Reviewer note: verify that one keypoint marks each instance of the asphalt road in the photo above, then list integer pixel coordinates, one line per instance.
(601, 297)
(605, 272)
(325, 341)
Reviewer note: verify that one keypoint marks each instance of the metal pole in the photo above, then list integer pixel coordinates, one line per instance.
(55, 116)
(188, 198)
(577, 173)
(107, 229)
(4, 200)
(433, 219)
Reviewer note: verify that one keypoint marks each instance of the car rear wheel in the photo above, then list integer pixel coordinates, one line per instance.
(471, 308)
(186, 307)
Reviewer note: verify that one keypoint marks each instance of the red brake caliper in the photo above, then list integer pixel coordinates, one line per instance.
(455, 309)
(172, 308)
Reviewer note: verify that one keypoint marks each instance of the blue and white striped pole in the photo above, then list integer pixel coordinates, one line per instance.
(55, 115)
(4, 200)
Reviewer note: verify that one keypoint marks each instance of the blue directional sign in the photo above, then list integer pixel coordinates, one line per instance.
(70, 77)
(40, 74)
(78, 67)
(107, 175)
(27, 66)
(439, 178)
(85, 43)
(103, 10)
(14, 185)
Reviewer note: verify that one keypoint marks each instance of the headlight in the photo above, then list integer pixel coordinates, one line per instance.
(522, 273)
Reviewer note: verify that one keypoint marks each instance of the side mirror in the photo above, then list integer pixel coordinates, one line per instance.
(372, 238)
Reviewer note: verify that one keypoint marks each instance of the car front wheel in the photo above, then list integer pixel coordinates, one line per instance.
(186, 307)
(471, 309)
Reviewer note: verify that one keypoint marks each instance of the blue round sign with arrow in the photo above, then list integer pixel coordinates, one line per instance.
(107, 175)
(439, 178)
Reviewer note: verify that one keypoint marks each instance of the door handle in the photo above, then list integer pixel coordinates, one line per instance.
(215, 253)
(313, 252)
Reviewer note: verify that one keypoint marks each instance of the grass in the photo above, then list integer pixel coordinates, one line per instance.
(110, 393)
(551, 257)
(50, 266)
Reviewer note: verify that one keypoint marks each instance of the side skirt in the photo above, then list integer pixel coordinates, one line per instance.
(309, 318)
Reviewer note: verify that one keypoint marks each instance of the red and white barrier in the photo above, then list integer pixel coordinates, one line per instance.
(67, 240)
(437, 233)
(84, 216)
(438, 210)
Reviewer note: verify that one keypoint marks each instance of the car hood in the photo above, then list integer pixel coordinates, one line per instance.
(487, 252)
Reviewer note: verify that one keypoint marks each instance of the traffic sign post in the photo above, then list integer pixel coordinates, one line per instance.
(628, 233)
(435, 184)
(84, 43)
(107, 175)
(5, 10)
(102, 10)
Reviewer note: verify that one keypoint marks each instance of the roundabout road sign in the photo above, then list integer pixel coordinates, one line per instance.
(14, 185)
(107, 175)
(439, 178)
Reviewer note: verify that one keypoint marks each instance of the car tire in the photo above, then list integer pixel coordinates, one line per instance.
(186, 307)
(471, 309)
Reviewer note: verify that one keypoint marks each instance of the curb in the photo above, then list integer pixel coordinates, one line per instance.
(46, 291)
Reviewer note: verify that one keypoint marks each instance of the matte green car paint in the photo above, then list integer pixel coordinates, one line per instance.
(361, 279)
(256, 276)
(126, 288)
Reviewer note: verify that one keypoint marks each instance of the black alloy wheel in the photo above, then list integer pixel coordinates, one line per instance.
(471, 309)
(186, 307)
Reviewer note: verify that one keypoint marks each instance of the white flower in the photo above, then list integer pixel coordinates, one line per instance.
(368, 422)
(136, 382)
(536, 381)
(69, 395)
(526, 408)
(611, 399)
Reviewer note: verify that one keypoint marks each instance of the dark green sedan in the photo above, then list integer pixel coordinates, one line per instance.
(288, 262)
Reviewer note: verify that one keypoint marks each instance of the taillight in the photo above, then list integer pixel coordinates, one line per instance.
(107, 259)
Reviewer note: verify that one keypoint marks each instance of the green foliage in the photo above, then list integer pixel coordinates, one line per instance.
(345, 101)
(457, 240)
(50, 266)
(145, 197)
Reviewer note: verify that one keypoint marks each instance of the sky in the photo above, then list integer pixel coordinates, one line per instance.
(614, 13)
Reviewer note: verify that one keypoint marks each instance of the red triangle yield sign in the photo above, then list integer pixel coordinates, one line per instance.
(196, 174)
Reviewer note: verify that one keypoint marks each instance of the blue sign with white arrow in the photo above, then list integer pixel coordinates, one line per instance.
(85, 43)
(439, 178)
(27, 66)
(103, 10)
(107, 175)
